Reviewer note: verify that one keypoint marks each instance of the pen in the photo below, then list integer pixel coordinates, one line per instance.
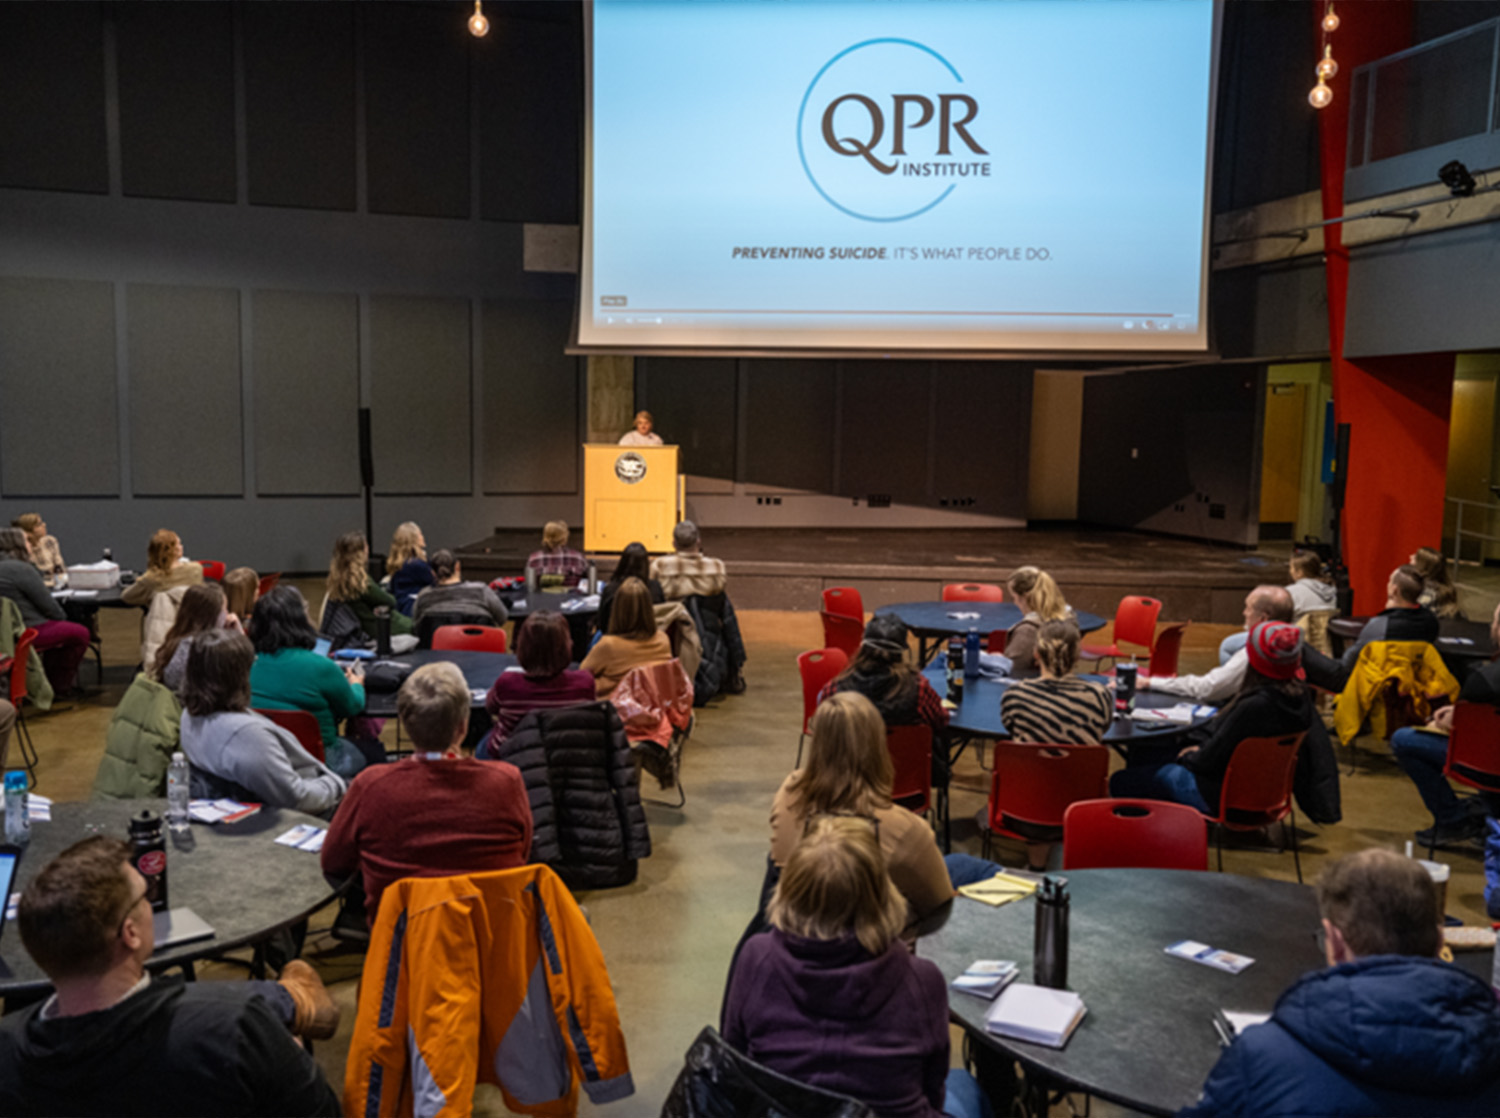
(1223, 1028)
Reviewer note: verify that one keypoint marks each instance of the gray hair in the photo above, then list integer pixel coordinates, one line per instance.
(13, 544)
(685, 535)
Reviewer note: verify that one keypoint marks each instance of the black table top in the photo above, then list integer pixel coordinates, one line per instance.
(1147, 1041)
(95, 599)
(928, 619)
(235, 877)
(480, 669)
(1452, 635)
(521, 605)
(979, 714)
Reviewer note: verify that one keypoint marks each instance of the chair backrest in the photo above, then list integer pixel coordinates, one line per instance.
(19, 657)
(1168, 647)
(717, 1079)
(1258, 780)
(268, 583)
(997, 641)
(301, 725)
(1134, 834)
(842, 633)
(816, 668)
(844, 600)
(973, 592)
(213, 570)
(911, 755)
(475, 638)
(1036, 783)
(1474, 746)
(1135, 621)
(654, 700)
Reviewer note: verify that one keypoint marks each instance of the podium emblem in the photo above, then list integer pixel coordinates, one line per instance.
(630, 467)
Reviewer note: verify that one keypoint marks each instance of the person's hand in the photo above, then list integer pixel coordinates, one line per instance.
(232, 621)
(354, 671)
(1188, 750)
(1442, 721)
(1143, 682)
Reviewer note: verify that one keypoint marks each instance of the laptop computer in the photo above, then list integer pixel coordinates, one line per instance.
(10, 866)
(179, 925)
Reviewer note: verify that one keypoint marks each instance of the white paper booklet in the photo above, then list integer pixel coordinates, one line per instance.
(1037, 1014)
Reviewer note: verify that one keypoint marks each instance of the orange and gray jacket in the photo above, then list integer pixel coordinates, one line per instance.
(492, 977)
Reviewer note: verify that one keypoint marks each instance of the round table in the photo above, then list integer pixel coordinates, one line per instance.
(1457, 639)
(1147, 1040)
(932, 621)
(480, 669)
(235, 876)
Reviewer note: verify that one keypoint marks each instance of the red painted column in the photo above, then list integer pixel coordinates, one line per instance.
(1397, 407)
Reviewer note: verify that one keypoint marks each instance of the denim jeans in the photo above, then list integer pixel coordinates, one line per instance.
(1421, 756)
(1170, 781)
(965, 869)
(964, 1098)
(1230, 645)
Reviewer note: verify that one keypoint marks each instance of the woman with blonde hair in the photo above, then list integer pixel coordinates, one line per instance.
(832, 998)
(633, 639)
(165, 569)
(46, 556)
(241, 589)
(406, 567)
(640, 433)
(1039, 600)
(349, 582)
(557, 565)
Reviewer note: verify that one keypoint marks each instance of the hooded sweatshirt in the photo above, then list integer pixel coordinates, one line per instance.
(172, 1048)
(830, 1014)
(1310, 594)
(1389, 1035)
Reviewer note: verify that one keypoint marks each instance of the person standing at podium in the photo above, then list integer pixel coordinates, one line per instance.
(641, 435)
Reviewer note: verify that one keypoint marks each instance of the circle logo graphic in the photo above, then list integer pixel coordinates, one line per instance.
(630, 467)
(886, 130)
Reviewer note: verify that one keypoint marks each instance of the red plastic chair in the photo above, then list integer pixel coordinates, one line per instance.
(1035, 785)
(302, 725)
(1168, 647)
(655, 702)
(911, 755)
(473, 638)
(816, 668)
(844, 600)
(213, 570)
(267, 584)
(18, 693)
(973, 592)
(1134, 834)
(842, 633)
(1135, 623)
(1474, 746)
(997, 640)
(1257, 790)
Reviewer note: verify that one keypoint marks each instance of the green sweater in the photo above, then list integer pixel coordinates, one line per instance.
(364, 609)
(300, 679)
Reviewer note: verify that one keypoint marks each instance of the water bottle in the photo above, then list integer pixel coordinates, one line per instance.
(148, 853)
(971, 653)
(592, 586)
(109, 555)
(17, 819)
(382, 630)
(955, 671)
(1050, 957)
(177, 795)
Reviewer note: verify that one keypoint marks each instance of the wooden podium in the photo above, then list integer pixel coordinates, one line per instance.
(630, 494)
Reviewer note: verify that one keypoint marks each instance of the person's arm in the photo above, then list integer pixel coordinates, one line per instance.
(377, 595)
(1374, 630)
(1210, 760)
(142, 590)
(29, 582)
(1020, 645)
(340, 857)
(258, 756)
(281, 1077)
(786, 824)
(1224, 1091)
(346, 699)
(1218, 686)
(597, 662)
(498, 613)
(916, 864)
(930, 707)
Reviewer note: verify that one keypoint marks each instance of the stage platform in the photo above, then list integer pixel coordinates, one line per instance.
(785, 568)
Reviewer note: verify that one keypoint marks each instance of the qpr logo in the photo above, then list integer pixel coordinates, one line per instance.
(630, 467)
(886, 130)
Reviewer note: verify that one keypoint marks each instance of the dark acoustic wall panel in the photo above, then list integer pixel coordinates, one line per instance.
(304, 368)
(177, 126)
(789, 423)
(59, 420)
(693, 401)
(420, 402)
(299, 104)
(983, 413)
(52, 70)
(883, 444)
(530, 99)
(186, 425)
(531, 428)
(417, 109)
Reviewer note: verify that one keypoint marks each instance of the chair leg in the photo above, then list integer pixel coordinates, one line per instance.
(1219, 844)
(802, 737)
(29, 756)
(1296, 857)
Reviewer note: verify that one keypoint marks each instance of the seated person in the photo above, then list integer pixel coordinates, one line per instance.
(1438, 592)
(633, 639)
(1403, 619)
(46, 556)
(62, 644)
(449, 595)
(543, 681)
(1309, 593)
(202, 608)
(349, 582)
(241, 591)
(406, 567)
(1264, 603)
(236, 753)
(1272, 702)
(557, 566)
(880, 673)
(114, 1040)
(832, 998)
(641, 434)
(165, 568)
(289, 675)
(1057, 708)
(1040, 601)
(1387, 1029)
(1422, 753)
(687, 571)
(634, 563)
(436, 814)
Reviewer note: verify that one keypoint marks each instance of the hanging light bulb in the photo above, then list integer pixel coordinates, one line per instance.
(479, 27)
(1321, 96)
(1330, 19)
(1327, 68)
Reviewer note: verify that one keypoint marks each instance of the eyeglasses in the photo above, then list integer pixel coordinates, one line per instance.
(131, 908)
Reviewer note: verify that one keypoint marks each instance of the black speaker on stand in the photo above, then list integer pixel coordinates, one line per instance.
(1345, 594)
(367, 483)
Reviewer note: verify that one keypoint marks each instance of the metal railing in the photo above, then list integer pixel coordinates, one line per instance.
(1487, 510)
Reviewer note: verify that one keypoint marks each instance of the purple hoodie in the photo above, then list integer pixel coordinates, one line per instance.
(829, 1014)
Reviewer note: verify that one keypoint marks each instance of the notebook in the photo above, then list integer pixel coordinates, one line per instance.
(1038, 1014)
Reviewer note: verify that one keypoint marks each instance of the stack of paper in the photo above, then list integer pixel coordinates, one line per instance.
(1180, 715)
(987, 977)
(38, 808)
(220, 811)
(1036, 1014)
(304, 836)
(1209, 956)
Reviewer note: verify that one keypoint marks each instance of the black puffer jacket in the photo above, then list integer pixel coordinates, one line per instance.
(587, 819)
(723, 649)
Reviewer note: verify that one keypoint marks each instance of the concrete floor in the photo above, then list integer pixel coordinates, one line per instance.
(668, 937)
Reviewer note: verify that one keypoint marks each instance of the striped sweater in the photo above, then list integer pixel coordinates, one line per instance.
(1067, 711)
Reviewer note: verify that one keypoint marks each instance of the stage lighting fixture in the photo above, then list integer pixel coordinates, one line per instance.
(1455, 176)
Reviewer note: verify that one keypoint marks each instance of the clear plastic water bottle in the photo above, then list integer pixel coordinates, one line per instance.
(17, 819)
(177, 795)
